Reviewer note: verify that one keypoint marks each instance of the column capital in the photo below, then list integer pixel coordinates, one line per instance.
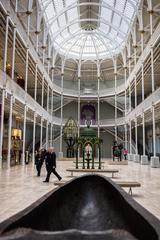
(37, 32)
(150, 11)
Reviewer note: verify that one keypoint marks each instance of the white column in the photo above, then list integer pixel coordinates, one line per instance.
(115, 106)
(24, 135)
(130, 157)
(37, 40)
(125, 103)
(79, 86)
(130, 103)
(51, 135)
(2, 124)
(41, 133)
(48, 98)
(125, 99)
(135, 89)
(142, 41)
(152, 69)
(61, 131)
(9, 132)
(35, 88)
(154, 159)
(151, 21)
(34, 136)
(98, 108)
(28, 23)
(6, 43)
(42, 99)
(26, 70)
(46, 134)
(142, 82)
(136, 156)
(13, 52)
(144, 158)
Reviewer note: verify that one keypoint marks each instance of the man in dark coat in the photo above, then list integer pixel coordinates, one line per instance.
(39, 159)
(50, 160)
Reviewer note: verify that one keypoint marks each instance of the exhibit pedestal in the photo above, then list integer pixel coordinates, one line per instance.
(136, 158)
(155, 162)
(144, 160)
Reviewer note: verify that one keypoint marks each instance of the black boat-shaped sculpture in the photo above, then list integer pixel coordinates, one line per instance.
(88, 207)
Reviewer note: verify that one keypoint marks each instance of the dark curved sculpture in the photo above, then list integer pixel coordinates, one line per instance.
(88, 207)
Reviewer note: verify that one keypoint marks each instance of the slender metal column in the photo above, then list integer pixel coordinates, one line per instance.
(35, 88)
(62, 78)
(142, 82)
(115, 106)
(26, 71)
(154, 131)
(48, 97)
(51, 135)
(37, 40)
(151, 21)
(6, 43)
(143, 126)
(47, 134)
(2, 124)
(41, 133)
(125, 134)
(152, 70)
(136, 139)
(13, 52)
(28, 23)
(142, 41)
(34, 136)
(130, 129)
(24, 135)
(79, 87)
(125, 98)
(10, 132)
(98, 108)
(135, 89)
(130, 104)
(42, 99)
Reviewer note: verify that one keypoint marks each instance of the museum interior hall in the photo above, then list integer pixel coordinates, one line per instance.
(81, 79)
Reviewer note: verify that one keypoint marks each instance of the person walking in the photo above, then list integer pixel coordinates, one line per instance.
(50, 160)
(125, 153)
(39, 159)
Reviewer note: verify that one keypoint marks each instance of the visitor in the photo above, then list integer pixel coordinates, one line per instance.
(120, 147)
(50, 160)
(39, 159)
(114, 149)
(125, 153)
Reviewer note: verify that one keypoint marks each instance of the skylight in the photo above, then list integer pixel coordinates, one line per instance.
(89, 30)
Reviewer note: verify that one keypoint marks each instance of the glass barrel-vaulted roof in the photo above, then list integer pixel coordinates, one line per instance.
(85, 29)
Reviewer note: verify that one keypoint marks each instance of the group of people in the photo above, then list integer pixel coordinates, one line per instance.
(49, 157)
(119, 151)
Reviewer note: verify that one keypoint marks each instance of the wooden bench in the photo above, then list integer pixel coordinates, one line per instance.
(123, 162)
(124, 184)
(128, 184)
(72, 170)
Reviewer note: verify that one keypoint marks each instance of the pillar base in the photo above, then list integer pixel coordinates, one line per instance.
(130, 157)
(155, 162)
(60, 155)
(136, 158)
(144, 160)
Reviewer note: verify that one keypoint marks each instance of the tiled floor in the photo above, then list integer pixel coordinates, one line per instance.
(19, 186)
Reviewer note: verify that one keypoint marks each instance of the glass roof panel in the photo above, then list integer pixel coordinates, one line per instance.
(89, 29)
